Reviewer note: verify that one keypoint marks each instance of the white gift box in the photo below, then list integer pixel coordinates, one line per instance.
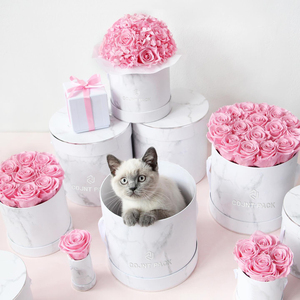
(246, 199)
(83, 156)
(82, 273)
(35, 231)
(79, 112)
(180, 137)
(290, 227)
(157, 257)
(14, 281)
(250, 289)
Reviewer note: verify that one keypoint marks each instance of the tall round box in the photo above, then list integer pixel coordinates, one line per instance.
(157, 257)
(14, 281)
(180, 137)
(290, 228)
(83, 156)
(35, 231)
(246, 199)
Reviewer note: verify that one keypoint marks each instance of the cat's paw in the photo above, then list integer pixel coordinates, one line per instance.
(131, 217)
(147, 219)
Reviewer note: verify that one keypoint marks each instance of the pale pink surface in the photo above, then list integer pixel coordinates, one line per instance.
(213, 278)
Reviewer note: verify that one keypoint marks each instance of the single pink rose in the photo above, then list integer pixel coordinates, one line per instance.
(261, 268)
(26, 159)
(246, 153)
(258, 119)
(268, 155)
(245, 250)
(7, 192)
(25, 174)
(147, 57)
(48, 186)
(294, 132)
(76, 244)
(125, 38)
(27, 195)
(234, 112)
(264, 241)
(276, 128)
(290, 120)
(247, 107)
(217, 132)
(257, 134)
(220, 119)
(287, 147)
(9, 167)
(263, 108)
(229, 144)
(241, 127)
(282, 257)
(5, 178)
(276, 112)
(53, 171)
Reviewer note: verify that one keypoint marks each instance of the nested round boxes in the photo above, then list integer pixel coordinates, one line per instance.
(157, 257)
(290, 228)
(180, 137)
(246, 199)
(83, 155)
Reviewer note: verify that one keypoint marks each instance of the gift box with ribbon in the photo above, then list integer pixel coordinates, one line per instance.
(87, 104)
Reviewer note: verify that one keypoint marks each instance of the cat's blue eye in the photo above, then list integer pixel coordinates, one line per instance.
(142, 178)
(123, 180)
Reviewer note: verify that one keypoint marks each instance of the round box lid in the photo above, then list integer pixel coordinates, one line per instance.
(12, 275)
(61, 129)
(291, 204)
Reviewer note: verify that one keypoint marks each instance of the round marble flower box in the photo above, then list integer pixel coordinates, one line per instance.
(157, 257)
(250, 289)
(290, 227)
(140, 98)
(14, 281)
(83, 156)
(35, 231)
(180, 137)
(246, 199)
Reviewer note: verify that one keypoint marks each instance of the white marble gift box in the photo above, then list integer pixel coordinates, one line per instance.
(157, 257)
(290, 227)
(246, 199)
(87, 114)
(250, 289)
(180, 137)
(14, 280)
(83, 156)
(35, 231)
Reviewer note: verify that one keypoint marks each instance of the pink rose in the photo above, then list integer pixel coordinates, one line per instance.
(27, 195)
(276, 128)
(264, 241)
(261, 268)
(268, 155)
(147, 57)
(246, 153)
(287, 146)
(217, 132)
(7, 192)
(263, 108)
(76, 244)
(241, 127)
(220, 119)
(276, 112)
(247, 107)
(282, 257)
(234, 112)
(25, 174)
(48, 186)
(258, 119)
(9, 167)
(26, 158)
(294, 132)
(290, 120)
(257, 133)
(228, 146)
(245, 250)
(5, 178)
(53, 171)
(125, 38)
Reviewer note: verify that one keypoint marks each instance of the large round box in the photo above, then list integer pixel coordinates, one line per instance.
(140, 98)
(157, 257)
(83, 156)
(290, 228)
(246, 199)
(35, 231)
(180, 137)
(14, 281)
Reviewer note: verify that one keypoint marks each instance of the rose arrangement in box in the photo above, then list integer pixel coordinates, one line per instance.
(29, 178)
(137, 40)
(76, 244)
(263, 257)
(251, 134)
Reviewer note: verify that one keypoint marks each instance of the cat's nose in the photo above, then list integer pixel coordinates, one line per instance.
(133, 188)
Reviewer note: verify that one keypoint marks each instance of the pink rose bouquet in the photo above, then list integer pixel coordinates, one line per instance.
(137, 40)
(29, 178)
(76, 244)
(255, 135)
(262, 257)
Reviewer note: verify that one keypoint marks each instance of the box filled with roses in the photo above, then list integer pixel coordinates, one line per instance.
(263, 265)
(252, 166)
(137, 52)
(33, 203)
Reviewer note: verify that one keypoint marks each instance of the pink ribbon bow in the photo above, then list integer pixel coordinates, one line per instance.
(81, 85)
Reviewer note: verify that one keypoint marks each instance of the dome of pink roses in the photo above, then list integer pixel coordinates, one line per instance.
(137, 40)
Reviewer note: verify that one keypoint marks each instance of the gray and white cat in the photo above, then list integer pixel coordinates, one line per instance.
(146, 196)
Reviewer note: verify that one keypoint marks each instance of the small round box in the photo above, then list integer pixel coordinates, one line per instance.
(14, 281)
(83, 155)
(157, 257)
(180, 137)
(290, 227)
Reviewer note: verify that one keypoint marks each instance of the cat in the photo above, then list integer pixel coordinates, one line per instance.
(146, 196)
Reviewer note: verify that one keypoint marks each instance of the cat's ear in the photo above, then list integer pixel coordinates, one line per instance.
(113, 163)
(150, 158)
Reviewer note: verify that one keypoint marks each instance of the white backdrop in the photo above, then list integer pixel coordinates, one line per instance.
(233, 51)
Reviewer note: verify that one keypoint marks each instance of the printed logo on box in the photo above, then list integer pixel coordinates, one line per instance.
(91, 179)
(149, 255)
(252, 204)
